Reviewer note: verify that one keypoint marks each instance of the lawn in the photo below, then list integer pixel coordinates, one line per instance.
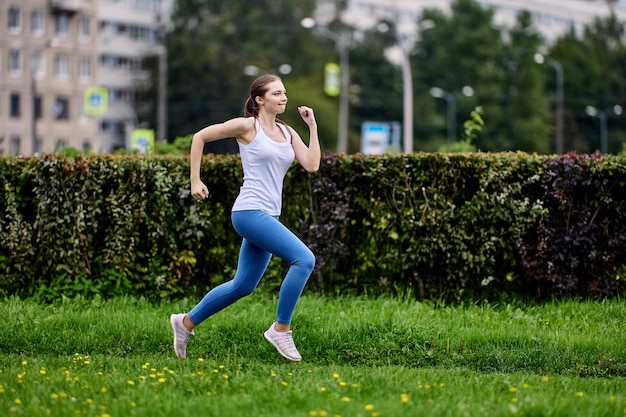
(362, 357)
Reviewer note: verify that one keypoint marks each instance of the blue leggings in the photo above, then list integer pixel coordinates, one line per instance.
(263, 235)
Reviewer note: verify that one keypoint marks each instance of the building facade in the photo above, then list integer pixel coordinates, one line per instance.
(551, 17)
(53, 52)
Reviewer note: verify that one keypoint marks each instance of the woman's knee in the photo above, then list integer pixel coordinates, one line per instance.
(307, 260)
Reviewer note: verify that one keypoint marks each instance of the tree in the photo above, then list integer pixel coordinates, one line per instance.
(210, 44)
(523, 125)
(595, 75)
(453, 52)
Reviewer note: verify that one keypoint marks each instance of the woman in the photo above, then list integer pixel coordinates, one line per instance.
(267, 147)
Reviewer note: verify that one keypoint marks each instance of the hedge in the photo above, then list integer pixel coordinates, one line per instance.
(437, 226)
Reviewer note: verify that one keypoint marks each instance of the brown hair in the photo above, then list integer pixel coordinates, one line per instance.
(258, 88)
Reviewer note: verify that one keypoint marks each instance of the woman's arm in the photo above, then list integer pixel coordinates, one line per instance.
(232, 128)
(308, 156)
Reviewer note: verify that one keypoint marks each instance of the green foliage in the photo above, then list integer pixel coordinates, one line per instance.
(445, 226)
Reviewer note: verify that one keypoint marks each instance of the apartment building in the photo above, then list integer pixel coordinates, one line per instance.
(57, 57)
(551, 17)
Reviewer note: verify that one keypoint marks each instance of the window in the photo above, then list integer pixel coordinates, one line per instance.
(61, 108)
(15, 20)
(14, 60)
(38, 108)
(37, 22)
(14, 105)
(62, 66)
(84, 27)
(36, 63)
(84, 67)
(14, 145)
(60, 145)
(62, 24)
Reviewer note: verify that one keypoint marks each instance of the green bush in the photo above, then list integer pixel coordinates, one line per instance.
(441, 226)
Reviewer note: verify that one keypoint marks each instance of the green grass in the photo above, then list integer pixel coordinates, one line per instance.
(362, 357)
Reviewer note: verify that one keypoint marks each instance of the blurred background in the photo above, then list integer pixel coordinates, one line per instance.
(547, 76)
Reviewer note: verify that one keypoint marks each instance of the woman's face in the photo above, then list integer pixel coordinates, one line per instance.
(275, 99)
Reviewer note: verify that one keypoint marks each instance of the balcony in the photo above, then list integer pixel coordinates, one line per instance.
(69, 6)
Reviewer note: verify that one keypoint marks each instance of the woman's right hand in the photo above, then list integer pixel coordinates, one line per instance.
(199, 191)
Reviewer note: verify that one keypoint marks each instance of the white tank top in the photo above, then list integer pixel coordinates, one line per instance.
(265, 163)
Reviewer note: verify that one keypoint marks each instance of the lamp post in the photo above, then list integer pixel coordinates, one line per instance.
(450, 99)
(407, 84)
(341, 44)
(558, 98)
(603, 116)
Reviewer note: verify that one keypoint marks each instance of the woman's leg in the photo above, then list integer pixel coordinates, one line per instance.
(267, 233)
(251, 266)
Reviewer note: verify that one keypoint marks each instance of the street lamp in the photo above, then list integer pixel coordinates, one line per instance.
(603, 116)
(559, 98)
(341, 44)
(450, 99)
(407, 86)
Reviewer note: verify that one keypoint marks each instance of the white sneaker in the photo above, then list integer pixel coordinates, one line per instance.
(283, 342)
(181, 335)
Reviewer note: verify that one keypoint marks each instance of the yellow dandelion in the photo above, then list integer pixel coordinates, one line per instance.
(525, 386)
(171, 372)
(62, 395)
(144, 366)
(131, 383)
(105, 415)
(100, 373)
(86, 363)
(375, 414)
(514, 400)
(354, 385)
(54, 396)
(208, 393)
(369, 407)
(323, 389)
(336, 376)
(221, 366)
(611, 400)
(290, 373)
(161, 380)
(404, 398)
(153, 370)
(89, 401)
(24, 363)
(225, 376)
(17, 401)
(133, 404)
(284, 383)
(579, 394)
(323, 413)
(103, 390)
(272, 373)
(345, 399)
(342, 384)
(215, 371)
(152, 376)
(1, 389)
(545, 378)
(512, 389)
(441, 385)
(142, 377)
(200, 359)
(42, 371)
(313, 413)
(427, 386)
